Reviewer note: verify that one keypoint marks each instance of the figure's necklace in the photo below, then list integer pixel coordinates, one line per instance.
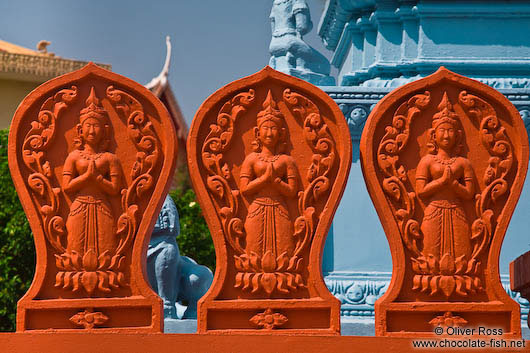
(268, 159)
(444, 161)
(90, 157)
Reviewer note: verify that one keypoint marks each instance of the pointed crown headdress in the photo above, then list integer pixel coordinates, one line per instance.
(445, 114)
(93, 109)
(270, 112)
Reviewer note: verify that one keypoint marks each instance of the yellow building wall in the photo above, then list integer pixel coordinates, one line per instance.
(11, 94)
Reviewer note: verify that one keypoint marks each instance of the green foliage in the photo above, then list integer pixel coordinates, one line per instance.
(194, 239)
(17, 251)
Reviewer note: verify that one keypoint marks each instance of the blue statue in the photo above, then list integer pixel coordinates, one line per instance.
(177, 279)
(290, 20)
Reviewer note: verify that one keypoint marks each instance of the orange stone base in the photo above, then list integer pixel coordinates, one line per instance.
(306, 316)
(54, 342)
(126, 314)
(398, 319)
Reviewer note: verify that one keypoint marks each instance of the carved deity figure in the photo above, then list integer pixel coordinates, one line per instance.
(445, 179)
(93, 175)
(267, 177)
(290, 21)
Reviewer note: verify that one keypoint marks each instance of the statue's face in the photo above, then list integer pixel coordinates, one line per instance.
(92, 131)
(164, 220)
(269, 134)
(445, 136)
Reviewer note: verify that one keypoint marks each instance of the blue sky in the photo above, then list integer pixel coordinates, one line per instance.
(214, 41)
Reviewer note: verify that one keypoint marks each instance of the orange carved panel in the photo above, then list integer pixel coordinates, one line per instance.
(91, 154)
(269, 155)
(444, 159)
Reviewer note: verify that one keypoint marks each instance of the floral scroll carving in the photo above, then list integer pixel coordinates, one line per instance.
(142, 134)
(318, 137)
(392, 143)
(36, 143)
(90, 260)
(493, 137)
(218, 140)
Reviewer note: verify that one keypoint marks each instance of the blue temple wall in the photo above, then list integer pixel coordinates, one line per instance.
(378, 45)
(382, 42)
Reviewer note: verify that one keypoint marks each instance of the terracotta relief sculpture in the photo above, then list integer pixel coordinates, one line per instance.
(444, 160)
(267, 177)
(91, 175)
(90, 163)
(445, 180)
(269, 155)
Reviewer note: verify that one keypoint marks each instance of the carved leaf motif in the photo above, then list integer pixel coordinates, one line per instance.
(113, 279)
(268, 282)
(246, 280)
(447, 284)
(283, 261)
(256, 282)
(103, 281)
(59, 278)
(434, 284)
(90, 260)
(89, 281)
(268, 262)
(447, 264)
(239, 279)
(75, 281)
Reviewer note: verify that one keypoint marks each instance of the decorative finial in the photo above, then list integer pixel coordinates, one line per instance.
(162, 78)
(92, 100)
(445, 114)
(92, 109)
(42, 47)
(269, 102)
(445, 103)
(270, 111)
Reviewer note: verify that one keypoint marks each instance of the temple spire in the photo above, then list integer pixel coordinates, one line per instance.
(161, 79)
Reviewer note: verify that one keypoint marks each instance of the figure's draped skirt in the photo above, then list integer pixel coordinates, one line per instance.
(268, 227)
(445, 230)
(90, 225)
